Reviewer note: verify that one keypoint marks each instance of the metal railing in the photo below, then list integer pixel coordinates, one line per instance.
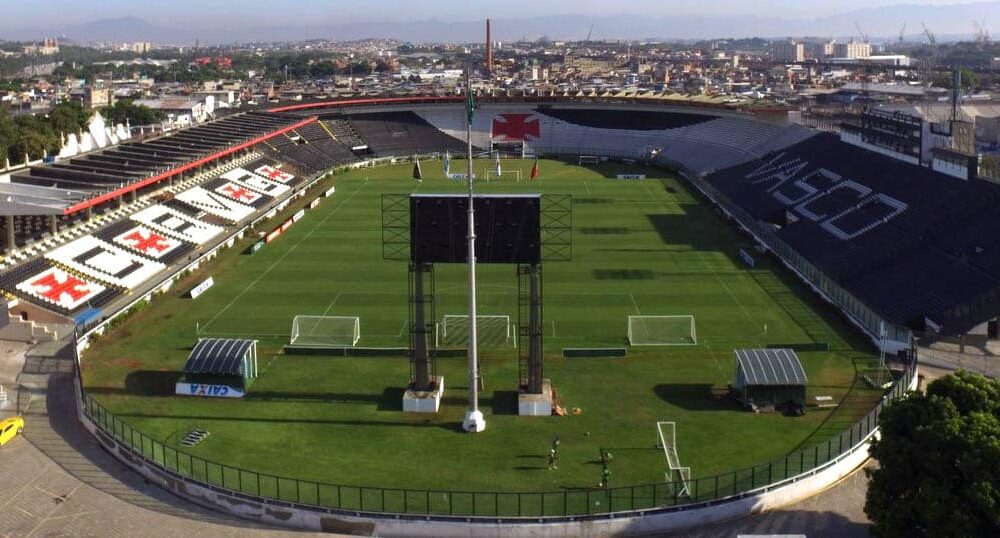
(492, 504)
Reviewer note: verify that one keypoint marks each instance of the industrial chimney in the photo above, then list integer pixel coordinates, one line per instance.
(489, 47)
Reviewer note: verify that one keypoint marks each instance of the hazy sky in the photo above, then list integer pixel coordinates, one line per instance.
(58, 12)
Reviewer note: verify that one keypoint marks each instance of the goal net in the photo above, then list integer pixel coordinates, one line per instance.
(662, 331)
(325, 331)
(588, 159)
(677, 476)
(510, 174)
(491, 331)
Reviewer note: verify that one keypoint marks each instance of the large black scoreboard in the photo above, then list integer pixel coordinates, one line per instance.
(508, 228)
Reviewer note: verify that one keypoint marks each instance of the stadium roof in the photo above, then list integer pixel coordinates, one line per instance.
(221, 356)
(71, 185)
(770, 366)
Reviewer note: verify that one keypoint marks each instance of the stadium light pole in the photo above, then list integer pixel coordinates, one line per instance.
(474, 421)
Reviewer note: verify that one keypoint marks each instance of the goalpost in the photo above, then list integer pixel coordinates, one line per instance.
(492, 174)
(588, 159)
(662, 331)
(677, 474)
(325, 331)
(492, 331)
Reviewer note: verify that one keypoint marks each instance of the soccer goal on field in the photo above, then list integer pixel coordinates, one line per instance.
(491, 331)
(662, 331)
(677, 476)
(491, 175)
(325, 331)
(588, 159)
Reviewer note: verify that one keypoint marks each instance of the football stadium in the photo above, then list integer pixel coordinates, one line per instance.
(684, 313)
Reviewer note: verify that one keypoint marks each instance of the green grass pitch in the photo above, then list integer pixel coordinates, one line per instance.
(648, 247)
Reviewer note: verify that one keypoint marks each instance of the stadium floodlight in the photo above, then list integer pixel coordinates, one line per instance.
(492, 331)
(662, 331)
(325, 331)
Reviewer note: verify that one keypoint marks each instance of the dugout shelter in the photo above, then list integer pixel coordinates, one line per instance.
(769, 378)
(219, 367)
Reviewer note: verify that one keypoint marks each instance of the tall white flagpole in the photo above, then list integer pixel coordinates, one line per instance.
(474, 421)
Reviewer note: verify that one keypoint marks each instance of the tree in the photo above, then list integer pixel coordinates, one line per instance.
(939, 462)
(8, 135)
(67, 117)
(969, 80)
(126, 111)
(35, 137)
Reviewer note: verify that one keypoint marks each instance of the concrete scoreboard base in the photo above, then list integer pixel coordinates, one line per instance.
(418, 401)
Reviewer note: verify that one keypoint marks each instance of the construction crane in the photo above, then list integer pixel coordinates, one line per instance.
(865, 74)
(864, 37)
(928, 63)
(982, 35)
(590, 32)
(930, 35)
(902, 32)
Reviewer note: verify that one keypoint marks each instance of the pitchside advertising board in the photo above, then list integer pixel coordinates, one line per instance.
(202, 288)
(508, 228)
(206, 390)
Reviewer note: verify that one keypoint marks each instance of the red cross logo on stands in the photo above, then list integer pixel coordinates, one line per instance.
(153, 242)
(516, 127)
(238, 193)
(72, 286)
(273, 173)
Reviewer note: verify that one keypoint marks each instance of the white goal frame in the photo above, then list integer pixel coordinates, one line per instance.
(492, 174)
(632, 338)
(667, 440)
(587, 159)
(344, 340)
(441, 334)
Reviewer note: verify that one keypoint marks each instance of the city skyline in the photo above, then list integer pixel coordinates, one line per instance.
(455, 20)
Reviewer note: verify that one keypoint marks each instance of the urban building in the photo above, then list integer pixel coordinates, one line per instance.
(789, 51)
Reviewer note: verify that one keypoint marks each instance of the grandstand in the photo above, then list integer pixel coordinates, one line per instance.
(908, 242)
(390, 134)
(311, 148)
(699, 142)
(42, 200)
(905, 244)
(853, 224)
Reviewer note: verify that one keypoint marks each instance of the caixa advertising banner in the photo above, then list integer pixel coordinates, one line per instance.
(211, 391)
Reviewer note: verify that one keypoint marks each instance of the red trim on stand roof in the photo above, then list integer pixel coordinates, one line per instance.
(170, 173)
(370, 101)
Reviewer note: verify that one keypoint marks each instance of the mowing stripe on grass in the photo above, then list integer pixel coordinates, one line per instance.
(283, 256)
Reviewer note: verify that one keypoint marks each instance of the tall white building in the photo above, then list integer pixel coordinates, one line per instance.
(789, 51)
(852, 50)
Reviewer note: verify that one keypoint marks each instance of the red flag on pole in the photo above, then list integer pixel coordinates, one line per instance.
(534, 169)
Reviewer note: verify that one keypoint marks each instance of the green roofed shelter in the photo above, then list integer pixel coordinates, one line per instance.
(769, 377)
(222, 367)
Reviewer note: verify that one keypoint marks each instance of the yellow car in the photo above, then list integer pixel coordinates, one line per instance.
(9, 428)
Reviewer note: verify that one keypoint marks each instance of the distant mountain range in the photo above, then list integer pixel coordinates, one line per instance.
(948, 22)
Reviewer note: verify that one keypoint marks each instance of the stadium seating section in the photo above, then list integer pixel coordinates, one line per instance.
(312, 148)
(696, 143)
(910, 243)
(402, 133)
